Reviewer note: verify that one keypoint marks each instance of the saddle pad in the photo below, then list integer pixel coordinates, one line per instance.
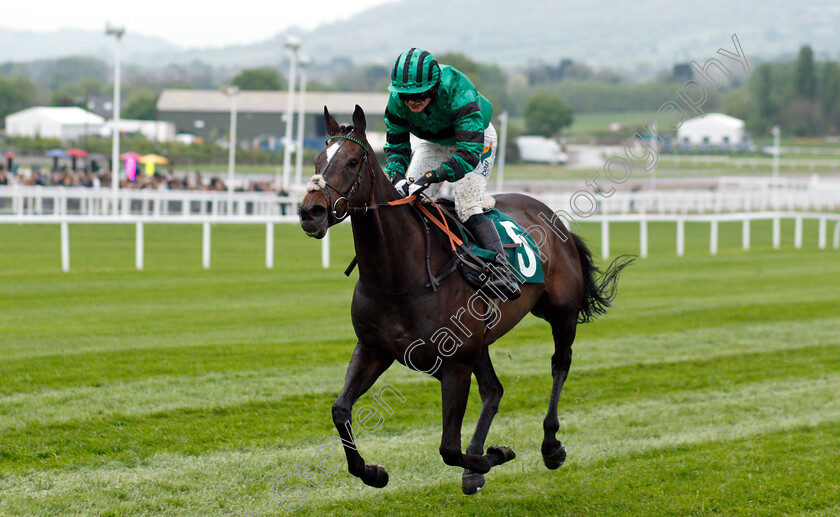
(524, 259)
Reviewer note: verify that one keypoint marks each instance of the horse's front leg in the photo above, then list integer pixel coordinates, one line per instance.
(455, 388)
(491, 393)
(365, 367)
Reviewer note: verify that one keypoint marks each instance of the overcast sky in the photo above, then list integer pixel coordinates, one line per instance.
(191, 23)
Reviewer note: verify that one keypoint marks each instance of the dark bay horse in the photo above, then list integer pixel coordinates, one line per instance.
(444, 332)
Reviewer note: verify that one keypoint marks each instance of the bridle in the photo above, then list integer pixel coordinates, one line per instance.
(326, 189)
(320, 184)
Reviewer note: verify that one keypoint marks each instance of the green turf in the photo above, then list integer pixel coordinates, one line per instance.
(709, 389)
(632, 121)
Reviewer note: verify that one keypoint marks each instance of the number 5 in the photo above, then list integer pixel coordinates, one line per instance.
(532, 260)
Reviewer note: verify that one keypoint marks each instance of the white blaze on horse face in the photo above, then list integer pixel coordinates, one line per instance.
(331, 150)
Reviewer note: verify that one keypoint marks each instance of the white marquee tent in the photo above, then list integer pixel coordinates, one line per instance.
(64, 123)
(712, 129)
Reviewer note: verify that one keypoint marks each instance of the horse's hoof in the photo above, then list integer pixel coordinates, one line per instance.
(553, 460)
(375, 476)
(472, 482)
(500, 454)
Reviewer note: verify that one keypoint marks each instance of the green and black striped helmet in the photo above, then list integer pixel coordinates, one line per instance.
(415, 71)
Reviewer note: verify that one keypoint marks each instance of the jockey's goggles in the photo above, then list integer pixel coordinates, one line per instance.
(417, 97)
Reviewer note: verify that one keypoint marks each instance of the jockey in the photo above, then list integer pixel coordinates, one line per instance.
(440, 105)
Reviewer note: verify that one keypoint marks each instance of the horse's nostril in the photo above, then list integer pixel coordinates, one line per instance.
(312, 212)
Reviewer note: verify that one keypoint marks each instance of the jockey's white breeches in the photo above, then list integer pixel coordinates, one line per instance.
(469, 190)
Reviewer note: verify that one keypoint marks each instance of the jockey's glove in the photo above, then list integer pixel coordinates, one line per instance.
(400, 183)
(423, 182)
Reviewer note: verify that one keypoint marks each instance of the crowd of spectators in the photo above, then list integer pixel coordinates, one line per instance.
(168, 180)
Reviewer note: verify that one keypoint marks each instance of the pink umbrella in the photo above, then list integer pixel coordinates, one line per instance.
(77, 153)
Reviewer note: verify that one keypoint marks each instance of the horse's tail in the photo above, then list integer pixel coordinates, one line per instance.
(599, 293)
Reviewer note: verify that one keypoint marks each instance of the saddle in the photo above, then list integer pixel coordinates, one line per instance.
(474, 263)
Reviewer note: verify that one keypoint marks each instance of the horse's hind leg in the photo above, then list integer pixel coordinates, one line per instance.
(563, 328)
(491, 391)
(365, 367)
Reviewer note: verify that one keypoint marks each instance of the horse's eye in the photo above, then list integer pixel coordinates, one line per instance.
(353, 163)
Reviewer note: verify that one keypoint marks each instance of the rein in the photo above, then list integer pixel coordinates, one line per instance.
(319, 184)
(442, 224)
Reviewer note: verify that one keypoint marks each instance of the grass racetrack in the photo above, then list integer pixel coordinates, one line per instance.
(711, 388)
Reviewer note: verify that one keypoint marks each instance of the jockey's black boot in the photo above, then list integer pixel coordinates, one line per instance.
(501, 281)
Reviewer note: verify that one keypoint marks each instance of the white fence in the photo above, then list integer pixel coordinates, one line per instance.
(27, 201)
(696, 201)
(65, 220)
(96, 202)
(79, 205)
(714, 220)
(642, 219)
(65, 206)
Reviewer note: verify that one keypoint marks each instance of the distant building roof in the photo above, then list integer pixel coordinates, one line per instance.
(712, 129)
(65, 116)
(270, 102)
(716, 119)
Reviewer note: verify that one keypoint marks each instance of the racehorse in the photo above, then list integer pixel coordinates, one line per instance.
(400, 313)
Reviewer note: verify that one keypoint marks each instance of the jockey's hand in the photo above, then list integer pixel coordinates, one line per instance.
(400, 183)
(423, 182)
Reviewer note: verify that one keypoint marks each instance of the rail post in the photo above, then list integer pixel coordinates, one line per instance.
(138, 245)
(605, 239)
(65, 247)
(680, 237)
(713, 237)
(205, 246)
(269, 245)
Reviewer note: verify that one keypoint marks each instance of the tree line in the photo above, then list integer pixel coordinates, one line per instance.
(802, 96)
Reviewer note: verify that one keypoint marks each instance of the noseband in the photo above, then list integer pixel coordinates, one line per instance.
(321, 184)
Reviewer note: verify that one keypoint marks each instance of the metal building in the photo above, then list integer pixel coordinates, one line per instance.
(261, 114)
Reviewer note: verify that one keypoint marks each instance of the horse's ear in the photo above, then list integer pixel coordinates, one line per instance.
(332, 125)
(359, 122)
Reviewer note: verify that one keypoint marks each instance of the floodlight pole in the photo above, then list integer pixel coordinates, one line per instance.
(293, 44)
(776, 150)
(232, 92)
(304, 62)
(502, 147)
(117, 32)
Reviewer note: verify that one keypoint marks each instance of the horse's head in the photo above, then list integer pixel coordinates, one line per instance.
(342, 179)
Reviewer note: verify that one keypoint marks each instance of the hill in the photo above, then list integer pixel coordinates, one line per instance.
(620, 34)
(16, 45)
